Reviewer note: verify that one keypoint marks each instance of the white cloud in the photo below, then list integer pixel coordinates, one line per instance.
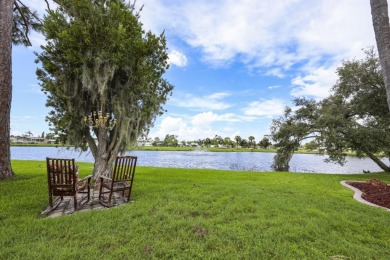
(278, 38)
(275, 34)
(218, 95)
(207, 118)
(209, 102)
(21, 124)
(37, 39)
(178, 126)
(274, 87)
(315, 84)
(268, 108)
(272, 34)
(200, 126)
(277, 72)
(336, 27)
(177, 58)
(39, 6)
(173, 125)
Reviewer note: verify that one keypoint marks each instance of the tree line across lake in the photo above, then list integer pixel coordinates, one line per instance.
(217, 141)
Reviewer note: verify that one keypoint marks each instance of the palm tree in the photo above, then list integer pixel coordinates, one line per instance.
(251, 139)
(6, 10)
(15, 22)
(238, 140)
(380, 20)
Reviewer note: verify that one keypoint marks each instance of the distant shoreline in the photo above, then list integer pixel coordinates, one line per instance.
(177, 149)
(161, 148)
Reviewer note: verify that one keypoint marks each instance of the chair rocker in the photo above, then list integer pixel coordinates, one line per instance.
(62, 178)
(121, 181)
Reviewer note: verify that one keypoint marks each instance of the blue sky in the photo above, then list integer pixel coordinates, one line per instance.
(235, 65)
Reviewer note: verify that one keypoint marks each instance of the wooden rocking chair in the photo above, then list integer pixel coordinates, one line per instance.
(121, 181)
(62, 178)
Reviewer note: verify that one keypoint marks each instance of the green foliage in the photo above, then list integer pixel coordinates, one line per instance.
(207, 142)
(265, 143)
(98, 58)
(251, 141)
(217, 140)
(198, 214)
(228, 142)
(171, 140)
(311, 146)
(244, 143)
(354, 117)
(238, 140)
(288, 131)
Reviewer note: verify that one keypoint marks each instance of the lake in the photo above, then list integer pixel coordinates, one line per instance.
(246, 161)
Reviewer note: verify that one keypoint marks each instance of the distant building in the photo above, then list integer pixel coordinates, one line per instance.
(144, 142)
(29, 140)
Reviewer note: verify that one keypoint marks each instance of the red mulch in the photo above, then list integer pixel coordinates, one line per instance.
(374, 191)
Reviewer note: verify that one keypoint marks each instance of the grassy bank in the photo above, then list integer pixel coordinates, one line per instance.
(198, 214)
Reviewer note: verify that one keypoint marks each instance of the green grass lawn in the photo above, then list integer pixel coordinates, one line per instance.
(198, 214)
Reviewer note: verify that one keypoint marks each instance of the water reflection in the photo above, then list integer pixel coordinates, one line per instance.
(246, 161)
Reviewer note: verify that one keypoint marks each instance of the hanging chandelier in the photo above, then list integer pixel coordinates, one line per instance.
(97, 119)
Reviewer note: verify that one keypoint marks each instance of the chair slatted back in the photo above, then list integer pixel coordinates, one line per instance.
(124, 168)
(61, 173)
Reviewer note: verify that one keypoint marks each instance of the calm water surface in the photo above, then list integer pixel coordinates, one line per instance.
(248, 161)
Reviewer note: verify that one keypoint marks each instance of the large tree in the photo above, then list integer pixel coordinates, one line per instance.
(380, 20)
(98, 58)
(354, 117)
(16, 21)
(289, 130)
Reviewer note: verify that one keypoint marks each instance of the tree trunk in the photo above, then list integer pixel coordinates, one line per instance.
(381, 164)
(103, 154)
(6, 12)
(380, 20)
(282, 160)
(102, 167)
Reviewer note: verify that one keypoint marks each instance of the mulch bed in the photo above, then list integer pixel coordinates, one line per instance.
(374, 191)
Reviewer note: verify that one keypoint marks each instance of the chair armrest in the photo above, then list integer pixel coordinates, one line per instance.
(106, 178)
(88, 178)
(83, 183)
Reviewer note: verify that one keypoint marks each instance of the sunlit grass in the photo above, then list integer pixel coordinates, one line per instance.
(198, 214)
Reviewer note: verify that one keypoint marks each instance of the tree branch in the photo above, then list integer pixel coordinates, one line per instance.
(27, 20)
(24, 19)
(48, 5)
(91, 143)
